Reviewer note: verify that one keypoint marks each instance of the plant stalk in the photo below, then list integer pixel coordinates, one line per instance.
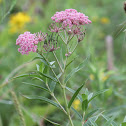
(57, 61)
(68, 112)
(83, 119)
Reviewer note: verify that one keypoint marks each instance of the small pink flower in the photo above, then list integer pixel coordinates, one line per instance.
(66, 54)
(27, 42)
(70, 53)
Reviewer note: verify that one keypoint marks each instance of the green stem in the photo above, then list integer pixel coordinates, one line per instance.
(68, 111)
(57, 61)
(62, 38)
(70, 39)
(51, 69)
(52, 94)
(64, 92)
(83, 119)
(59, 104)
(74, 48)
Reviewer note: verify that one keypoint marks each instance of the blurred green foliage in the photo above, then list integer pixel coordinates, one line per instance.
(106, 16)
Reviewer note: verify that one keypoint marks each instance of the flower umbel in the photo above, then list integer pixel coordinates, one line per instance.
(27, 42)
(70, 17)
(70, 21)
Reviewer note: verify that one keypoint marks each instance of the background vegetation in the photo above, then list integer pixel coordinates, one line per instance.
(108, 18)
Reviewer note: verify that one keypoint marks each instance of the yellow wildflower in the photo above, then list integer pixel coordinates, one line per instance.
(92, 77)
(0, 1)
(76, 104)
(18, 21)
(105, 20)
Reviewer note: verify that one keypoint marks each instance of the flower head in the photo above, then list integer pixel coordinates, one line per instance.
(70, 17)
(70, 21)
(27, 42)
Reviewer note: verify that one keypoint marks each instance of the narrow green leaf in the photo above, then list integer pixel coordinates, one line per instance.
(36, 58)
(37, 67)
(90, 96)
(56, 124)
(71, 62)
(107, 118)
(76, 70)
(94, 119)
(72, 91)
(108, 123)
(45, 71)
(93, 122)
(52, 86)
(59, 75)
(97, 93)
(47, 76)
(74, 96)
(77, 113)
(52, 62)
(84, 97)
(90, 114)
(119, 29)
(40, 87)
(88, 122)
(43, 99)
(61, 58)
(27, 75)
(84, 105)
(41, 59)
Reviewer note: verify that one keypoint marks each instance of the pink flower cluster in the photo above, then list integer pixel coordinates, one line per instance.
(70, 17)
(27, 42)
